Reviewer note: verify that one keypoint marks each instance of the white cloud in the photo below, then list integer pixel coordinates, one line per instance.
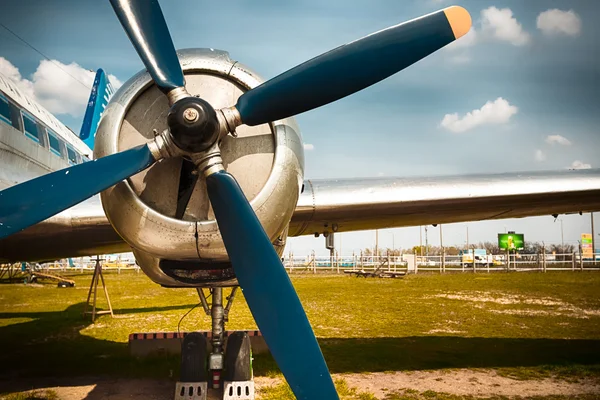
(58, 91)
(11, 72)
(556, 21)
(492, 112)
(500, 24)
(558, 139)
(579, 165)
(309, 146)
(539, 155)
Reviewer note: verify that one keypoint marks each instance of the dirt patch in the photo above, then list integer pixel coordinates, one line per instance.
(556, 307)
(465, 382)
(458, 382)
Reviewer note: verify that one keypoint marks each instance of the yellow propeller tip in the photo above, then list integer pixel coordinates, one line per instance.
(459, 20)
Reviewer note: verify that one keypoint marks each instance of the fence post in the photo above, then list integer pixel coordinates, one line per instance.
(474, 268)
(580, 259)
(544, 261)
(443, 260)
(573, 261)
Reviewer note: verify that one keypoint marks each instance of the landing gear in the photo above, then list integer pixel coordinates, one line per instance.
(233, 364)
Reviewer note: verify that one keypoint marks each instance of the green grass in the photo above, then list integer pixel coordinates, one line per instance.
(282, 391)
(32, 395)
(430, 395)
(549, 327)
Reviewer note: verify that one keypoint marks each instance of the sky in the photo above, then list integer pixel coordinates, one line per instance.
(519, 92)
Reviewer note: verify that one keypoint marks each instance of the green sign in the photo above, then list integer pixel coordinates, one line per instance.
(511, 241)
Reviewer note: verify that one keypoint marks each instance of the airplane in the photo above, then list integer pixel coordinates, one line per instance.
(200, 169)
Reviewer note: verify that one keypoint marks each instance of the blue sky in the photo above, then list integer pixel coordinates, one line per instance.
(545, 73)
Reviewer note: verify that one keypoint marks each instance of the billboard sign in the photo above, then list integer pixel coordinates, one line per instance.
(511, 241)
(586, 245)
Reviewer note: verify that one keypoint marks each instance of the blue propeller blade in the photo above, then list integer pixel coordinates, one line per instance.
(33, 201)
(352, 67)
(269, 292)
(145, 25)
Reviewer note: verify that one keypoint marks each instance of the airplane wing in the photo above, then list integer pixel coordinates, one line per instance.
(347, 205)
(357, 204)
(82, 230)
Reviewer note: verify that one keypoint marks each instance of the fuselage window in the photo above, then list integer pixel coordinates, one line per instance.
(4, 110)
(54, 143)
(72, 155)
(31, 130)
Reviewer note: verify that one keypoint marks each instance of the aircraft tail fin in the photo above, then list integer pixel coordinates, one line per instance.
(101, 93)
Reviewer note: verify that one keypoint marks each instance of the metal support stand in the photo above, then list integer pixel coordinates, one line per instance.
(219, 316)
(94, 289)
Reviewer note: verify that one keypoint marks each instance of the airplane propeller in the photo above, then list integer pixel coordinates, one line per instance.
(194, 132)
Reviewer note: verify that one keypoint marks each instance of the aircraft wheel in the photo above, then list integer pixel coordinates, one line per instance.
(238, 358)
(193, 358)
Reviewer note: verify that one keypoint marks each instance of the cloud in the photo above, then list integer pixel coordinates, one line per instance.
(501, 25)
(579, 165)
(555, 21)
(539, 155)
(309, 146)
(11, 72)
(492, 112)
(54, 85)
(557, 139)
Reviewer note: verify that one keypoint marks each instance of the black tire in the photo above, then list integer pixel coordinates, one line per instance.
(193, 358)
(238, 358)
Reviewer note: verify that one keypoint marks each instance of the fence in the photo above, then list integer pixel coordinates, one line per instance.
(408, 263)
(443, 263)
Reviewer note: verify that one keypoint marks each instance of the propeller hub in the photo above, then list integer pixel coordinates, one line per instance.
(193, 124)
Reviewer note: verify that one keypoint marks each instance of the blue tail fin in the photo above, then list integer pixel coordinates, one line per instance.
(101, 93)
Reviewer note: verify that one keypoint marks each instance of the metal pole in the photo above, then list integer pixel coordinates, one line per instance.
(593, 239)
(467, 237)
(562, 237)
(376, 242)
(420, 241)
(426, 243)
(442, 249)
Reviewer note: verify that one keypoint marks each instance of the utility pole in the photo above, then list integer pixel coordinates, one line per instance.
(420, 240)
(467, 237)
(562, 237)
(426, 243)
(441, 240)
(593, 240)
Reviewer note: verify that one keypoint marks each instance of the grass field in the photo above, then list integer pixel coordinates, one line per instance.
(521, 325)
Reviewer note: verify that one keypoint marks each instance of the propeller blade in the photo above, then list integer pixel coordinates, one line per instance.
(145, 25)
(352, 67)
(269, 291)
(188, 176)
(33, 201)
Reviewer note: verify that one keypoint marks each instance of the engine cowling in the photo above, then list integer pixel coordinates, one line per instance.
(267, 161)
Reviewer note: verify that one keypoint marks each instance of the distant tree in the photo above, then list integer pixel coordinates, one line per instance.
(490, 247)
(451, 251)
(418, 250)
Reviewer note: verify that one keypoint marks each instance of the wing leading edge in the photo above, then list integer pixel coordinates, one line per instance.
(350, 205)
(358, 204)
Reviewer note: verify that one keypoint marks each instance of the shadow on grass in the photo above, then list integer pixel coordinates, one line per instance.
(50, 346)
